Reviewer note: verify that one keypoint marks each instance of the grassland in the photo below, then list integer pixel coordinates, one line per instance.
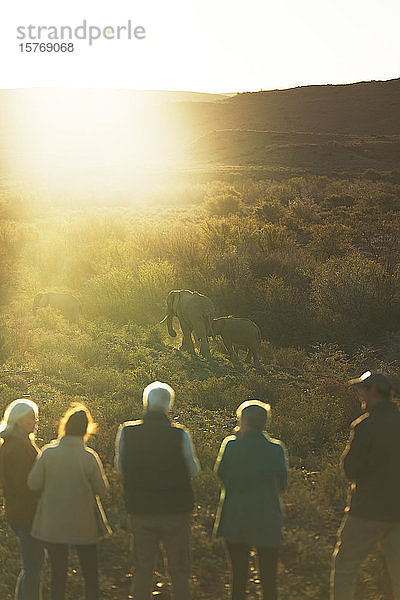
(313, 260)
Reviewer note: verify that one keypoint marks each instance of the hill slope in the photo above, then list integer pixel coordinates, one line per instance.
(54, 134)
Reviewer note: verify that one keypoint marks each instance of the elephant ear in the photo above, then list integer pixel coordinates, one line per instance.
(172, 300)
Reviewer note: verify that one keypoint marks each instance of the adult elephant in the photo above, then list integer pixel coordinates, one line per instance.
(195, 312)
(68, 305)
(239, 332)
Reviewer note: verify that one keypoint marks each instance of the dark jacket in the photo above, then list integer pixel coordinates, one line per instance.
(372, 462)
(17, 455)
(155, 476)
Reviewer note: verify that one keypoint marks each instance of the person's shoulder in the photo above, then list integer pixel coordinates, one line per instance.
(229, 441)
(274, 441)
(91, 454)
(180, 427)
(361, 423)
(131, 425)
(275, 444)
(49, 448)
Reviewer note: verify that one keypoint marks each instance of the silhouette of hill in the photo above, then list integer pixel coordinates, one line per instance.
(319, 128)
(365, 108)
(322, 128)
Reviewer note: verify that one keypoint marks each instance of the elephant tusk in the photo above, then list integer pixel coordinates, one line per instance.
(164, 319)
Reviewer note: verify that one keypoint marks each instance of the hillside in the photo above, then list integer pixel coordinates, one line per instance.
(365, 108)
(321, 129)
(311, 152)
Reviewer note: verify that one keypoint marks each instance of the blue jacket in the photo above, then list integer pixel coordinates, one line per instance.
(253, 471)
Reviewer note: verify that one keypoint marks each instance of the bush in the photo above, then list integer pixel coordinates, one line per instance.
(354, 294)
(223, 202)
(123, 295)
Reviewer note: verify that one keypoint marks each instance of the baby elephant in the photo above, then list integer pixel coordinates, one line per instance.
(239, 332)
(68, 305)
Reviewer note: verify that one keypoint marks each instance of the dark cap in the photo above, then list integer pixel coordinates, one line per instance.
(379, 381)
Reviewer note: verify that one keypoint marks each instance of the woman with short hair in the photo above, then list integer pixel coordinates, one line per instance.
(253, 470)
(70, 478)
(17, 455)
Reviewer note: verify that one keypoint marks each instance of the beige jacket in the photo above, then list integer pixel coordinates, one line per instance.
(69, 476)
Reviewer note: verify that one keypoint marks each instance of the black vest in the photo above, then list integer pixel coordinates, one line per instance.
(154, 473)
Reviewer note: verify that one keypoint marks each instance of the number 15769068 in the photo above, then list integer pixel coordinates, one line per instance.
(46, 47)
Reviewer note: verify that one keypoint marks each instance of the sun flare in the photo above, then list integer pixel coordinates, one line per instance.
(84, 140)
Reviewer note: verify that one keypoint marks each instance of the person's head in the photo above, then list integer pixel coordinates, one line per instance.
(253, 415)
(372, 389)
(21, 415)
(158, 396)
(77, 421)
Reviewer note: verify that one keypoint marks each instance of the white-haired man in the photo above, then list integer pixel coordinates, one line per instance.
(156, 460)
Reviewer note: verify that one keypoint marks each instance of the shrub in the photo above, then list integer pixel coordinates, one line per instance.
(122, 295)
(354, 294)
(223, 202)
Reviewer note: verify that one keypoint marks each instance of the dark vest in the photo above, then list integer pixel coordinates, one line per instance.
(155, 476)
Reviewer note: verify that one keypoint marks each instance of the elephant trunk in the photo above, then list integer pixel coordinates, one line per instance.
(170, 327)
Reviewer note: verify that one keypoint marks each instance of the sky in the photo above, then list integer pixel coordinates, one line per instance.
(207, 45)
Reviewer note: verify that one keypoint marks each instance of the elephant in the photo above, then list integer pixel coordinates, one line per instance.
(238, 332)
(68, 305)
(195, 312)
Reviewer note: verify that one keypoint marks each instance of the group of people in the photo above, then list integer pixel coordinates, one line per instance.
(53, 496)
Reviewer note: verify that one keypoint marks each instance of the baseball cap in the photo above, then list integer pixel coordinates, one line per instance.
(377, 380)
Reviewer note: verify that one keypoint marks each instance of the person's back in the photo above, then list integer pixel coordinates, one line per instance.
(371, 461)
(17, 455)
(66, 512)
(156, 461)
(253, 474)
(377, 477)
(69, 476)
(253, 470)
(155, 475)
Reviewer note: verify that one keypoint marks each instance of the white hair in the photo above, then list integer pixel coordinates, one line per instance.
(255, 411)
(158, 396)
(15, 412)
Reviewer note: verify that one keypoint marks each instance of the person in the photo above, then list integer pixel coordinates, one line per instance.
(371, 461)
(17, 455)
(253, 470)
(156, 460)
(69, 477)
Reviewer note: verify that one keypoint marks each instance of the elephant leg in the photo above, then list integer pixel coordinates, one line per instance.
(256, 355)
(205, 348)
(187, 341)
(230, 349)
(200, 329)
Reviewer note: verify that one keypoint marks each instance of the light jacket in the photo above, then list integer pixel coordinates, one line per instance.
(69, 476)
(253, 471)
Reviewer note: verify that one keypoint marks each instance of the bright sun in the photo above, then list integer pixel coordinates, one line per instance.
(84, 140)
